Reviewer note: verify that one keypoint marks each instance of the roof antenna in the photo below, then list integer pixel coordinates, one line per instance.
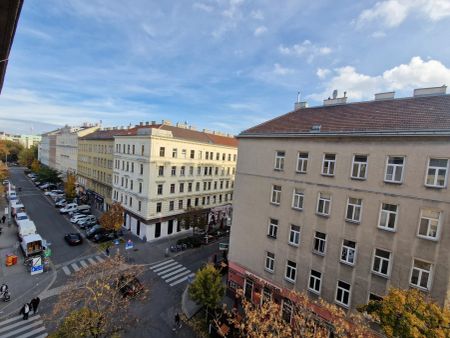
(298, 97)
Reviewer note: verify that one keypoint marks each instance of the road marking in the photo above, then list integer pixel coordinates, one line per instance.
(31, 333)
(91, 260)
(165, 267)
(180, 280)
(24, 328)
(161, 264)
(171, 279)
(169, 269)
(173, 272)
(75, 267)
(12, 326)
(84, 264)
(101, 260)
(66, 270)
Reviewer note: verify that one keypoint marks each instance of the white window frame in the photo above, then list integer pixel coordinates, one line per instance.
(302, 162)
(436, 174)
(269, 264)
(344, 290)
(294, 234)
(279, 160)
(421, 272)
(354, 207)
(395, 167)
(297, 199)
(326, 202)
(275, 196)
(272, 230)
(381, 260)
(331, 168)
(349, 252)
(359, 165)
(320, 240)
(315, 280)
(389, 214)
(430, 219)
(290, 269)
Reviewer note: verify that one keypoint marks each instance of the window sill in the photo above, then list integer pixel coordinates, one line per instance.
(318, 253)
(347, 263)
(269, 271)
(327, 175)
(379, 274)
(275, 204)
(432, 239)
(358, 178)
(387, 229)
(435, 186)
(297, 209)
(322, 215)
(342, 304)
(301, 172)
(393, 182)
(294, 245)
(352, 221)
(314, 291)
(419, 287)
(276, 169)
(289, 280)
(272, 237)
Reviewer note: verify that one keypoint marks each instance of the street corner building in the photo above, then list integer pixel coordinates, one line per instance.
(345, 200)
(161, 170)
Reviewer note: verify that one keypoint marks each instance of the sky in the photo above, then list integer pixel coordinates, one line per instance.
(222, 65)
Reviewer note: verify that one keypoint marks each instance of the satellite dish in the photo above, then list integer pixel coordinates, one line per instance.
(335, 93)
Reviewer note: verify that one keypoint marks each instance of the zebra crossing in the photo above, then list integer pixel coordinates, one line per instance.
(84, 263)
(16, 327)
(172, 272)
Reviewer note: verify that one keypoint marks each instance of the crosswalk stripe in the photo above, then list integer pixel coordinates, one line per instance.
(75, 266)
(84, 264)
(66, 270)
(161, 264)
(91, 260)
(101, 260)
(10, 320)
(9, 327)
(24, 328)
(171, 279)
(31, 333)
(42, 335)
(167, 268)
(173, 272)
(179, 281)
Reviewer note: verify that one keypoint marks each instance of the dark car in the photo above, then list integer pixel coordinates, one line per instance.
(96, 229)
(73, 239)
(103, 236)
(129, 285)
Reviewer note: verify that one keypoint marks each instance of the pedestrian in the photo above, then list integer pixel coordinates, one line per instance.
(25, 310)
(3, 219)
(35, 304)
(177, 322)
(107, 251)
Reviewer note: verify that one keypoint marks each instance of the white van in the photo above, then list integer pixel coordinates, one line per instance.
(26, 227)
(32, 245)
(71, 207)
(20, 216)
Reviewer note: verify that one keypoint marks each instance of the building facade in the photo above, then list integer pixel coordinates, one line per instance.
(345, 200)
(162, 170)
(47, 149)
(27, 141)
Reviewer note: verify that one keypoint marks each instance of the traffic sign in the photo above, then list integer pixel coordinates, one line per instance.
(129, 245)
(37, 266)
(223, 246)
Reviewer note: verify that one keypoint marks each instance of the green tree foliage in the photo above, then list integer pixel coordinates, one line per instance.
(35, 166)
(26, 157)
(193, 218)
(10, 148)
(409, 313)
(69, 187)
(207, 288)
(113, 218)
(46, 174)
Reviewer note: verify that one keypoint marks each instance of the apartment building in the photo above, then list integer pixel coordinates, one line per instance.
(27, 141)
(345, 200)
(95, 165)
(161, 170)
(47, 149)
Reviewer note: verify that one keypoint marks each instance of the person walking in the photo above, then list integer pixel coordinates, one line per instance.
(3, 219)
(35, 304)
(177, 322)
(107, 251)
(25, 310)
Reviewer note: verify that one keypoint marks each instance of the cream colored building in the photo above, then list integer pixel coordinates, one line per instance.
(47, 149)
(161, 170)
(66, 156)
(345, 200)
(27, 141)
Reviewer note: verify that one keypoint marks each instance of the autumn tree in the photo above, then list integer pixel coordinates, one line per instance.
(70, 187)
(35, 166)
(4, 173)
(113, 218)
(10, 149)
(96, 300)
(193, 218)
(409, 313)
(26, 157)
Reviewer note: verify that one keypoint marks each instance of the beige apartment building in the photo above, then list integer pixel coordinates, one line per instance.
(345, 200)
(161, 170)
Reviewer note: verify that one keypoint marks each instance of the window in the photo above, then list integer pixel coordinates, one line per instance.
(182, 171)
(354, 206)
(142, 150)
(388, 216)
(273, 228)
(134, 149)
(158, 207)
(181, 187)
(294, 235)
(171, 205)
(421, 274)
(191, 171)
(180, 204)
(323, 204)
(297, 199)
(197, 186)
(315, 281)
(286, 310)
(199, 171)
(192, 154)
(270, 261)
(394, 169)
(291, 271)
(348, 252)
(190, 187)
(173, 171)
(429, 223)
(161, 170)
(139, 205)
(162, 151)
(174, 153)
(276, 194)
(343, 293)
(374, 298)
(183, 153)
(131, 201)
(328, 165)
(381, 262)
(132, 167)
(140, 187)
(437, 173)
(160, 189)
(279, 160)
(359, 167)
(142, 169)
(320, 241)
(302, 163)
(172, 188)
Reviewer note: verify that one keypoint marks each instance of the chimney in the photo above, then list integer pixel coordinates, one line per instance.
(335, 100)
(430, 91)
(300, 105)
(147, 123)
(153, 123)
(141, 123)
(166, 122)
(384, 96)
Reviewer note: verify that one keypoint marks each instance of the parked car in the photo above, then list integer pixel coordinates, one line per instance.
(56, 197)
(103, 236)
(129, 285)
(73, 238)
(5, 182)
(53, 192)
(44, 185)
(92, 231)
(84, 208)
(70, 207)
(87, 221)
(77, 217)
(37, 183)
(61, 203)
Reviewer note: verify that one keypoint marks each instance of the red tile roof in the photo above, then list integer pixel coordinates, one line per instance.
(416, 114)
(108, 134)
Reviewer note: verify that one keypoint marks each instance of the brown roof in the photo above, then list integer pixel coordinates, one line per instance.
(192, 135)
(407, 115)
(108, 134)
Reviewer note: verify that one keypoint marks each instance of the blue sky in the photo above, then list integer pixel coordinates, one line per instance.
(217, 64)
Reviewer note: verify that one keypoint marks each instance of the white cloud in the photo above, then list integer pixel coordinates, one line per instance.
(417, 73)
(322, 72)
(202, 7)
(280, 70)
(305, 49)
(260, 30)
(391, 13)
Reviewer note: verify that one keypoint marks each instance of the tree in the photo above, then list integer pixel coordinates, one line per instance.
(408, 313)
(26, 157)
(35, 166)
(92, 304)
(69, 187)
(10, 149)
(207, 288)
(4, 173)
(46, 174)
(113, 218)
(193, 218)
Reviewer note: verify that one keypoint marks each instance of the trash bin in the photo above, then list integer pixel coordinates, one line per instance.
(11, 259)
(14, 259)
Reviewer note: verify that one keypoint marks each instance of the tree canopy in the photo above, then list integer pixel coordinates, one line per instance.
(10, 148)
(207, 288)
(27, 156)
(113, 218)
(193, 218)
(70, 187)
